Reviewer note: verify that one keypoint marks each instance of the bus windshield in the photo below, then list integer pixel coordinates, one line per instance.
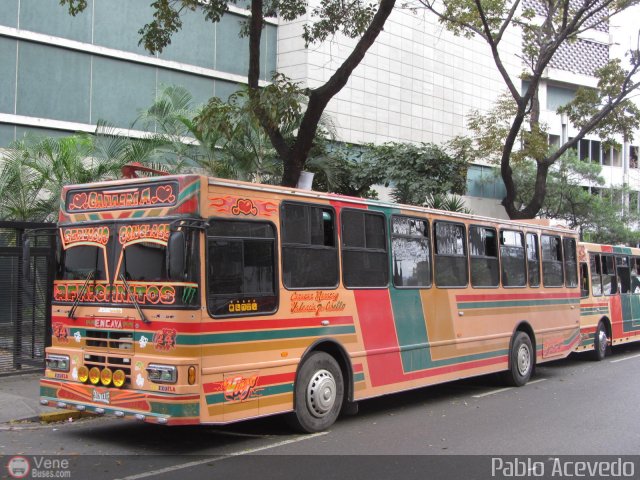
(133, 251)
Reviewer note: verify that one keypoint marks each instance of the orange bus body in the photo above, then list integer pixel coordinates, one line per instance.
(238, 350)
(610, 300)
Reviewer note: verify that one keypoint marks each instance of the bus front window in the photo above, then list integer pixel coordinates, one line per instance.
(145, 261)
(78, 261)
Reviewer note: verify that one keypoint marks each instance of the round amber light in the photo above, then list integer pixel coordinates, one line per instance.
(94, 375)
(119, 378)
(83, 374)
(105, 376)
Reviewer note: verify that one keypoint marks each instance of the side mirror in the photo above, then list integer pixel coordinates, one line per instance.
(26, 259)
(176, 255)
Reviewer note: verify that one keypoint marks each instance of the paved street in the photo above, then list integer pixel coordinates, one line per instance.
(574, 406)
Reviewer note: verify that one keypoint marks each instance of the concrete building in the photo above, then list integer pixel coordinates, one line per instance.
(417, 83)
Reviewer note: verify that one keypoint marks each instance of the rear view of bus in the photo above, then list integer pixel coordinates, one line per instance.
(127, 286)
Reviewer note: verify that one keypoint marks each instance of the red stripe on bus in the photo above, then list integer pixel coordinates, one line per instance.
(515, 296)
(379, 332)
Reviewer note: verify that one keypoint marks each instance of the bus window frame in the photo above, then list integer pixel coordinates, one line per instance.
(634, 259)
(436, 255)
(429, 241)
(575, 259)
(336, 242)
(561, 261)
(584, 275)
(524, 250)
(536, 235)
(596, 256)
(485, 257)
(344, 248)
(615, 274)
(276, 264)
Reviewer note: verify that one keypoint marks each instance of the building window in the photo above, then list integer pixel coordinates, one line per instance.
(450, 259)
(485, 182)
(410, 252)
(483, 254)
(633, 157)
(241, 268)
(589, 151)
(309, 253)
(512, 259)
(364, 253)
(552, 272)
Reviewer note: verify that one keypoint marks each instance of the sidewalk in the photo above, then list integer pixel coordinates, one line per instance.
(20, 397)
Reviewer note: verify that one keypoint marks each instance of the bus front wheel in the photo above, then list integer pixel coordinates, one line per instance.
(600, 342)
(521, 361)
(319, 392)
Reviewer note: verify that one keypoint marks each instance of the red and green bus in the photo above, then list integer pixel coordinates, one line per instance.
(187, 300)
(610, 297)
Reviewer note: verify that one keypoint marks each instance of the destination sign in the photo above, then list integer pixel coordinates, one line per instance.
(162, 194)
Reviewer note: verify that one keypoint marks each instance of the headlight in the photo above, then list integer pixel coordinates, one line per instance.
(58, 362)
(162, 373)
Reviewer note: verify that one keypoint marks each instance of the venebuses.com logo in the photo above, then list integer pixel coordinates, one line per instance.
(18, 467)
(38, 467)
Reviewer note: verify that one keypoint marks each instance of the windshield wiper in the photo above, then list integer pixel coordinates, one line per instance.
(134, 299)
(72, 310)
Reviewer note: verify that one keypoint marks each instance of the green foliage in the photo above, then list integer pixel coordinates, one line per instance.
(450, 203)
(414, 171)
(600, 218)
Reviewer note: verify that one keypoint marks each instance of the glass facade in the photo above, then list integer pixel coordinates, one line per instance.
(483, 181)
(48, 78)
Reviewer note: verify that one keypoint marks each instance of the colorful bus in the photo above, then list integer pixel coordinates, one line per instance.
(187, 299)
(610, 297)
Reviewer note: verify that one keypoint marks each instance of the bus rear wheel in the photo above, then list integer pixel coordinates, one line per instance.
(521, 361)
(319, 392)
(600, 342)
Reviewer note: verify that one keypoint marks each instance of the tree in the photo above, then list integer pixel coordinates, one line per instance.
(355, 19)
(515, 121)
(596, 212)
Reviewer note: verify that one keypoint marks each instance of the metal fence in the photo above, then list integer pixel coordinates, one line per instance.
(25, 304)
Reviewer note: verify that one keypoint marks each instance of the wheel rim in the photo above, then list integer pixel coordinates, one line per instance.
(321, 393)
(602, 341)
(524, 360)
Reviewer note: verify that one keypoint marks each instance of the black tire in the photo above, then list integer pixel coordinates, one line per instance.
(522, 360)
(600, 342)
(318, 394)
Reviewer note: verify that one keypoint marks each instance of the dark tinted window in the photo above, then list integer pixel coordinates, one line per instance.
(77, 262)
(450, 260)
(635, 275)
(512, 259)
(570, 262)
(364, 255)
(241, 276)
(624, 274)
(309, 254)
(609, 284)
(596, 271)
(411, 253)
(144, 261)
(533, 260)
(552, 272)
(483, 254)
(584, 280)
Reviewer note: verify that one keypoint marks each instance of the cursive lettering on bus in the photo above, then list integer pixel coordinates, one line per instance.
(130, 233)
(101, 293)
(134, 197)
(89, 234)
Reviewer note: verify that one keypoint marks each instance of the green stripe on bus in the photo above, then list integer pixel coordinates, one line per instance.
(213, 338)
(519, 303)
(176, 409)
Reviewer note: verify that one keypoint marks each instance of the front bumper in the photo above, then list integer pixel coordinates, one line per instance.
(152, 407)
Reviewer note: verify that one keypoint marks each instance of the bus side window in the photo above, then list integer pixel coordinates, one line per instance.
(596, 279)
(450, 259)
(609, 284)
(483, 257)
(411, 252)
(635, 275)
(624, 274)
(309, 253)
(552, 271)
(241, 268)
(512, 259)
(570, 262)
(584, 279)
(364, 254)
(533, 260)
